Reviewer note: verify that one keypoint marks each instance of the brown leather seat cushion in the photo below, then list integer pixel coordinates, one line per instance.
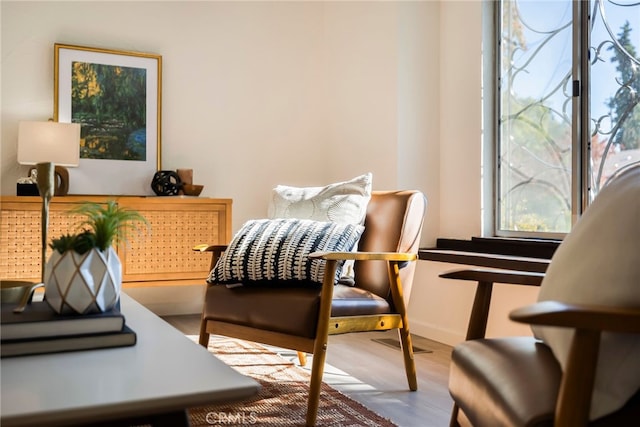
(505, 382)
(272, 308)
(348, 301)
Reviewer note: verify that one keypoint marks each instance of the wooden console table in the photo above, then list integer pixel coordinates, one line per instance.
(163, 257)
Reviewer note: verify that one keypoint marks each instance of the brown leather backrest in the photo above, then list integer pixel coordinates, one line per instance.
(393, 224)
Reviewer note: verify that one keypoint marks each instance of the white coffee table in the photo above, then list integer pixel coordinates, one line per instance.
(161, 376)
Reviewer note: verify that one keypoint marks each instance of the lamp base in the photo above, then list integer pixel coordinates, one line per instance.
(61, 181)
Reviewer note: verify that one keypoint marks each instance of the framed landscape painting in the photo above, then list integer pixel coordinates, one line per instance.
(116, 98)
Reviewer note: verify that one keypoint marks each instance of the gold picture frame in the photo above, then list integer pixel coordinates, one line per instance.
(117, 98)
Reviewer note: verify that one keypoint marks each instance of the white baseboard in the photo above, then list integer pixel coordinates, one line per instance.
(169, 300)
(434, 333)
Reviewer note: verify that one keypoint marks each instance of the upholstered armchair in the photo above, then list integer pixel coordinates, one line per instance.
(301, 315)
(582, 366)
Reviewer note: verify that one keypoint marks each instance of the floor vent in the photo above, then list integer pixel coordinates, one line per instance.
(391, 342)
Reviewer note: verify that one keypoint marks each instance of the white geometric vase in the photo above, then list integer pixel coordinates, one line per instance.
(87, 283)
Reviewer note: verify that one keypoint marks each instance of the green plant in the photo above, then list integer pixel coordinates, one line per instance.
(103, 225)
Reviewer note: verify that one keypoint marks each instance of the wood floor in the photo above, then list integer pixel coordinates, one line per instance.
(372, 373)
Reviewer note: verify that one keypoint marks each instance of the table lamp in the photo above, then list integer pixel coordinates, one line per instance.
(50, 142)
(50, 146)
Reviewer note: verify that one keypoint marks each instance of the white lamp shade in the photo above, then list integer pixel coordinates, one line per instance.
(54, 142)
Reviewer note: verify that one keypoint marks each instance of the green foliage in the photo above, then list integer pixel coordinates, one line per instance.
(63, 243)
(81, 243)
(106, 225)
(531, 222)
(625, 104)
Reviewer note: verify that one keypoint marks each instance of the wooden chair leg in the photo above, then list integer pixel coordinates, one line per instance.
(320, 344)
(393, 269)
(302, 357)
(204, 336)
(480, 311)
(317, 371)
(409, 361)
(454, 417)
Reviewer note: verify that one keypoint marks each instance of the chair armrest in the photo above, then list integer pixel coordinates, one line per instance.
(210, 248)
(496, 276)
(579, 316)
(482, 259)
(216, 252)
(365, 256)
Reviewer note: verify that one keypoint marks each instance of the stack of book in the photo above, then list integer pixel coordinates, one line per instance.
(39, 329)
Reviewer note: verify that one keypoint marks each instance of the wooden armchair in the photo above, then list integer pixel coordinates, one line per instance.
(302, 317)
(517, 381)
(583, 365)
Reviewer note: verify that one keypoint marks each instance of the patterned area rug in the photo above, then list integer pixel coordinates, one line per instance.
(282, 400)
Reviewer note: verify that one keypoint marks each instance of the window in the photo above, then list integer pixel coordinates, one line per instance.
(567, 107)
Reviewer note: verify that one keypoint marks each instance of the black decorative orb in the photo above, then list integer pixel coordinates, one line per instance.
(166, 183)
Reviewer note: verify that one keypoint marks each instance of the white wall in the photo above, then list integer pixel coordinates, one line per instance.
(303, 93)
